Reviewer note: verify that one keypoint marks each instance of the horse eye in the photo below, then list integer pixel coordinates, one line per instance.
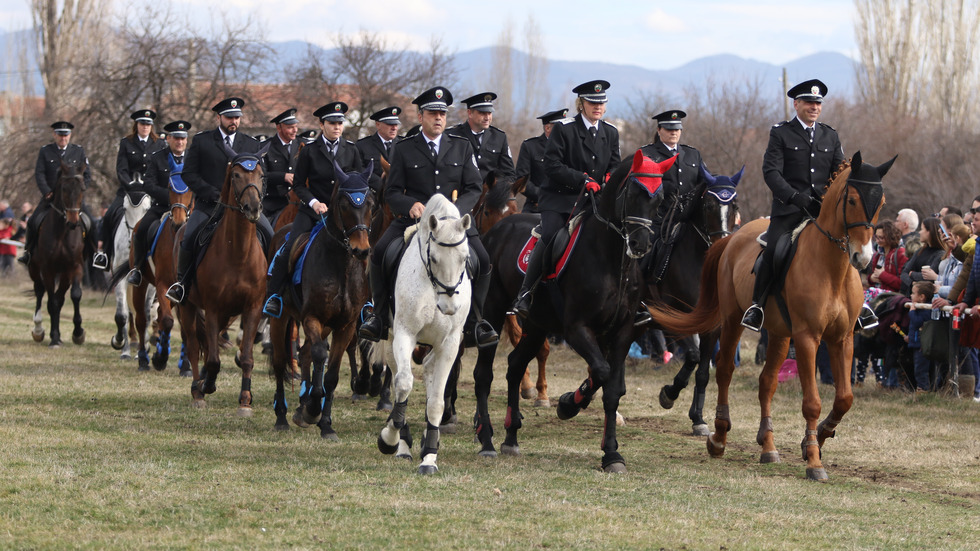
(851, 201)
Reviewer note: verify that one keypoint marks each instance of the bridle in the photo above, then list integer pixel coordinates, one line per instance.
(628, 225)
(448, 290)
(725, 194)
(870, 192)
(357, 198)
(249, 163)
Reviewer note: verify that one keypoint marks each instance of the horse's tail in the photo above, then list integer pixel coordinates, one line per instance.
(114, 279)
(705, 316)
(375, 352)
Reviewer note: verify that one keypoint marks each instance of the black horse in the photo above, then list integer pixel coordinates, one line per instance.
(592, 304)
(706, 215)
(334, 287)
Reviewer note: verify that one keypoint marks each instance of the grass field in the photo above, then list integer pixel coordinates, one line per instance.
(95, 455)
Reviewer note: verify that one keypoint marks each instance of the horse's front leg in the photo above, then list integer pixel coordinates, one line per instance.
(699, 427)
(670, 393)
(340, 342)
(280, 355)
(449, 419)
(483, 379)
(140, 319)
(731, 331)
(517, 362)
(438, 366)
(395, 437)
(768, 381)
(190, 336)
(120, 341)
(162, 352)
(55, 301)
(212, 353)
(78, 334)
(806, 351)
(841, 355)
(319, 353)
(38, 332)
(584, 343)
(245, 359)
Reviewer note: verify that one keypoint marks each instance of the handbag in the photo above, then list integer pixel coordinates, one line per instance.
(934, 337)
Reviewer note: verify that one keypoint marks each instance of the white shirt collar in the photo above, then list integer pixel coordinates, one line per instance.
(223, 135)
(588, 124)
(803, 124)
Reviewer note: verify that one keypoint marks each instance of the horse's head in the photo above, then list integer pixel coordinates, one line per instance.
(718, 203)
(245, 183)
(444, 250)
(855, 199)
(181, 202)
(68, 191)
(350, 208)
(637, 200)
(497, 202)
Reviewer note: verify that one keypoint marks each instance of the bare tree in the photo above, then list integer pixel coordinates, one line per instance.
(519, 73)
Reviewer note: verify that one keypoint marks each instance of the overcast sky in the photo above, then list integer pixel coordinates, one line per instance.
(653, 34)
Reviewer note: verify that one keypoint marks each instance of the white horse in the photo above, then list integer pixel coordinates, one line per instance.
(136, 204)
(432, 300)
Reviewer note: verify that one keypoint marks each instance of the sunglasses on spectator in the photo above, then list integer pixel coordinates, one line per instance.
(973, 210)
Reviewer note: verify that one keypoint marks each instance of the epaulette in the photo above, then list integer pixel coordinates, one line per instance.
(685, 146)
(492, 127)
(609, 124)
(457, 136)
(778, 124)
(350, 142)
(827, 125)
(368, 138)
(566, 120)
(204, 132)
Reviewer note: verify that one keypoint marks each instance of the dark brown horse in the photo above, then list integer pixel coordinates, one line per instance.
(328, 301)
(160, 273)
(822, 296)
(230, 282)
(57, 261)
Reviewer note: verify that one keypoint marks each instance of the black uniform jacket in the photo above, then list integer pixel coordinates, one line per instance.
(571, 154)
(684, 176)
(315, 176)
(206, 164)
(277, 163)
(792, 164)
(156, 183)
(492, 152)
(415, 176)
(49, 161)
(373, 148)
(530, 163)
(133, 158)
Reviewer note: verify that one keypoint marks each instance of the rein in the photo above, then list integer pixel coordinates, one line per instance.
(623, 231)
(347, 232)
(844, 242)
(448, 290)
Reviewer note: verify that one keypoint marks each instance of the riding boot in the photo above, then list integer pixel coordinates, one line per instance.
(375, 327)
(276, 281)
(176, 291)
(535, 265)
(29, 238)
(482, 332)
(135, 276)
(755, 316)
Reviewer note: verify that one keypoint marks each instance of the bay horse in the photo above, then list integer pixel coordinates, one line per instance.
(592, 304)
(160, 273)
(707, 216)
(334, 286)
(135, 205)
(431, 302)
(57, 261)
(230, 281)
(822, 296)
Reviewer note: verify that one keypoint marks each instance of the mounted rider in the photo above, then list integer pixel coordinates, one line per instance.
(378, 146)
(530, 160)
(489, 142)
(423, 165)
(279, 163)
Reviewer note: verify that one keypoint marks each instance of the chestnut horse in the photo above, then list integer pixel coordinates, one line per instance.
(57, 260)
(161, 273)
(822, 296)
(230, 281)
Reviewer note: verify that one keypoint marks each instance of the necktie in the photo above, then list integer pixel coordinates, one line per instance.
(62, 151)
(809, 132)
(228, 141)
(593, 132)
(289, 150)
(387, 149)
(432, 149)
(479, 139)
(673, 152)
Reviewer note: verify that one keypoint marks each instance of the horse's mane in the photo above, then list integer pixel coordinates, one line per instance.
(498, 197)
(845, 166)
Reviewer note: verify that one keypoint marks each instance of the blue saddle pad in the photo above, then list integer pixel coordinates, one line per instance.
(298, 269)
(156, 236)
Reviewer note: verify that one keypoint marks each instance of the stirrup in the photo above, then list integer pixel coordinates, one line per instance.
(754, 318)
(273, 306)
(642, 316)
(484, 334)
(522, 306)
(867, 319)
(135, 277)
(176, 292)
(372, 329)
(100, 261)
(24, 258)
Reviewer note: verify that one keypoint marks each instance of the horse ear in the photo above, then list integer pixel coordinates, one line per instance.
(707, 175)
(738, 176)
(339, 172)
(664, 166)
(637, 161)
(465, 221)
(433, 223)
(490, 180)
(368, 170)
(856, 161)
(264, 149)
(883, 168)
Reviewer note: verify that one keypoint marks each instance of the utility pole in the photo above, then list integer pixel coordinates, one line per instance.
(784, 97)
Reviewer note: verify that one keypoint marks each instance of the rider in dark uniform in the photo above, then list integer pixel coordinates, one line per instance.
(134, 154)
(49, 160)
(489, 142)
(378, 146)
(279, 164)
(581, 152)
(801, 157)
(313, 184)
(164, 165)
(430, 162)
(205, 166)
(530, 161)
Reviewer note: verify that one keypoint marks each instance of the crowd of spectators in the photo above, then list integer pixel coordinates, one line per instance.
(12, 228)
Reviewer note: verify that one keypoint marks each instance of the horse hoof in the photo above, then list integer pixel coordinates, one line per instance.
(700, 430)
(665, 401)
(488, 453)
(820, 474)
(428, 469)
(769, 457)
(566, 406)
(406, 456)
(142, 368)
(358, 397)
(529, 393)
(38, 337)
(617, 467)
(281, 427)
(126, 356)
(448, 428)
(545, 403)
(514, 450)
(384, 406)
(243, 411)
(186, 373)
(78, 339)
(116, 344)
(385, 447)
(199, 404)
(330, 436)
(309, 419)
(238, 358)
(298, 420)
(714, 450)
(55, 345)
(159, 362)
